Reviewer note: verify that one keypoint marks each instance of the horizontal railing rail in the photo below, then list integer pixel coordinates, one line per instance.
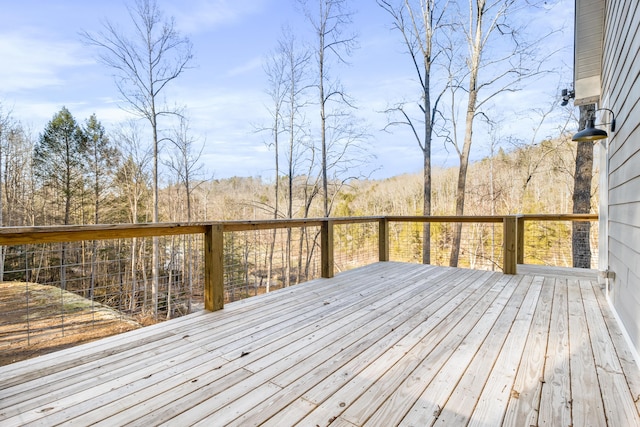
(513, 238)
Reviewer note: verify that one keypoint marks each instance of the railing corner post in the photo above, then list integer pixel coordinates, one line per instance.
(326, 248)
(509, 245)
(214, 267)
(383, 239)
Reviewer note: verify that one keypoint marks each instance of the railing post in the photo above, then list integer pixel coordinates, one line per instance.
(520, 239)
(326, 249)
(214, 267)
(383, 239)
(509, 245)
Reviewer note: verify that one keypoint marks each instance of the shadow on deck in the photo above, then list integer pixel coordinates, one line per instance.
(386, 344)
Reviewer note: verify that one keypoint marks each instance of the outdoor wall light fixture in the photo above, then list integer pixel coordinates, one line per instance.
(590, 133)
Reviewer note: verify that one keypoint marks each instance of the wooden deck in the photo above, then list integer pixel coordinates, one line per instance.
(383, 345)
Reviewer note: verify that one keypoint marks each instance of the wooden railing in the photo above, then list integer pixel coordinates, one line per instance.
(513, 238)
(521, 225)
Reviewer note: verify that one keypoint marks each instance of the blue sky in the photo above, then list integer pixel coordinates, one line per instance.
(45, 66)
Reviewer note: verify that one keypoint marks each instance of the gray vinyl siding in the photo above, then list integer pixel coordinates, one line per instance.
(621, 93)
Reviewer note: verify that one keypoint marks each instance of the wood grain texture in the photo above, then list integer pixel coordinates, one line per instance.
(387, 344)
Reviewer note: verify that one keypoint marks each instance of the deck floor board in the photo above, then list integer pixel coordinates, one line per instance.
(386, 344)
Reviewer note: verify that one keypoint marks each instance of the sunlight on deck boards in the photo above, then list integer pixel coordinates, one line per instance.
(387, 344)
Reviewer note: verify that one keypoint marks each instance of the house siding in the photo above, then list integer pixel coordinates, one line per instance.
(621, 93)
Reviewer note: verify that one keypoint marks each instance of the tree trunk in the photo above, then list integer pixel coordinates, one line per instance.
(474, 68)
(581, 248)
(428, 130)
(155, 256)
(462, 175)
(323, 142)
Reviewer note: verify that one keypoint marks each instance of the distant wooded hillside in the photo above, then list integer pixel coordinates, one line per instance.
(526, 179)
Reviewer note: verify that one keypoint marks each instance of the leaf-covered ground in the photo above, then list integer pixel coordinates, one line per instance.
(38, 319)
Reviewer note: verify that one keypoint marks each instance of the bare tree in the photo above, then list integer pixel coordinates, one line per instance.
(16, 183)
(132, 186)
(17, 176)
(534, 162)
(418, 22)
(296, 75)
(186, 161)
(186, 164)
(329, 21)
(145, 63)
(5, 129)
(286, 71)
(489, 72)
(275, 69)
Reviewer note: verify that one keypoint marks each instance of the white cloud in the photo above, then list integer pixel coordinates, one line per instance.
(204, 15)
(34, 60)
(35, 115)
(249, 66)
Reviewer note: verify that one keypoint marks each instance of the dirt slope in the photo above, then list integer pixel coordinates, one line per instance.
(38, 319)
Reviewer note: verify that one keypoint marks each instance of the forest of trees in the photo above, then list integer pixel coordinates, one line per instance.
(148, 169)
(76, 173)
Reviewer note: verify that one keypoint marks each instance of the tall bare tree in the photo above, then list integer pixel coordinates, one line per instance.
(296, 75)
(330, 20)
(418, 23)
(146, 61)
(287, 70)
(186, 161)
(275, 69)
(186, 164)
(18, 193)
(17, 177)
(496, 60)
(5, 129)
